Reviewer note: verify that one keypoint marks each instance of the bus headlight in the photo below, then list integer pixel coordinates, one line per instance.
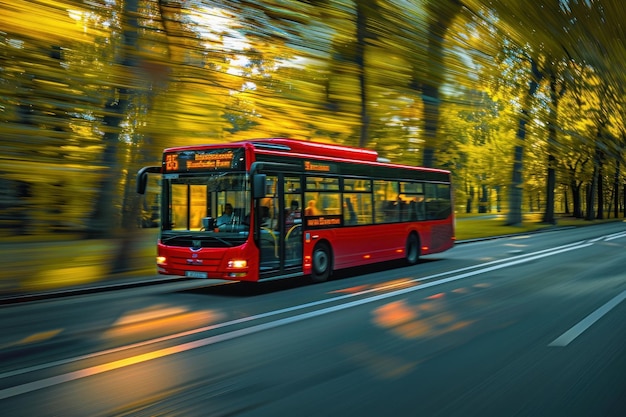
(161, 260)
(238, 263)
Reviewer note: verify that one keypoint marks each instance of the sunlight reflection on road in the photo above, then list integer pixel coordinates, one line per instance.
(428, 319)
(158, 320)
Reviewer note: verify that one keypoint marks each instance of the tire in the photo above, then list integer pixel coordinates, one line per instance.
(321, 263)
(412, 249)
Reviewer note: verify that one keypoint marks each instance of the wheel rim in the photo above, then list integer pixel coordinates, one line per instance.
(320, 261)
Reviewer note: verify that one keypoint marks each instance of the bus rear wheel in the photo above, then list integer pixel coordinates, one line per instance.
(321, 262)
(412, 249)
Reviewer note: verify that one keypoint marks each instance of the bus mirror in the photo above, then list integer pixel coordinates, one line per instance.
(258, 185)
(142, 178)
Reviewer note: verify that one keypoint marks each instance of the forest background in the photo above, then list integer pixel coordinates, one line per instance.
(523, 101)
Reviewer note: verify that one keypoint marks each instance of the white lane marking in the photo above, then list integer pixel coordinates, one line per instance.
(273, 313)
(567, 337)
(99, 369)
(616, 236)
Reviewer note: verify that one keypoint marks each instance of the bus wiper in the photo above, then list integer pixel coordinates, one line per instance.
(167, 239)
(227, 243)
(190, 236)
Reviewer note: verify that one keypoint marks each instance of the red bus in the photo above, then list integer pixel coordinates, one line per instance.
(265, 209)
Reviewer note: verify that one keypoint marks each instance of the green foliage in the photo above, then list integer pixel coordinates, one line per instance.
(90, 98)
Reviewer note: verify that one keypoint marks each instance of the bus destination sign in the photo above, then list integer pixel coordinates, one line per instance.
(317, 222)
(320, 166)
(204, 160)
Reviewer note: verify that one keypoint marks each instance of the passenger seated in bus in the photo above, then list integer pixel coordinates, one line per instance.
(350, 214)
(391, 211)
(412, 210)
(226, 217)
(293, 215)
(311, 210)
(401, 208)
(266, 220)
(416, 209)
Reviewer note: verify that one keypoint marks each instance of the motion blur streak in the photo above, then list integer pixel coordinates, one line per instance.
(83, 373)
(381, 366)
(428, 319)
(35, 337)
(163, 324)
(48, 382)
(509, 261)
(92, 90)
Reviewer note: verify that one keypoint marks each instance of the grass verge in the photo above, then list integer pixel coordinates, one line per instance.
(479, 226)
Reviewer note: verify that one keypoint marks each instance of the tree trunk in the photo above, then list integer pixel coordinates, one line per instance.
(430, 97)
(129, 239)
(441, 14)
(108, 214)
(610, 202)
(361, 43)
(624, 196)
(498, 199)
(577, 211)
(600, 189)
(484, 199)
(548, 216)
(591, 194)
(514, 216)
(616, 191)
(597, 181)
(470, 199)
(106, 217)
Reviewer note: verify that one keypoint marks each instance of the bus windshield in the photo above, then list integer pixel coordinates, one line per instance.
(202, 205)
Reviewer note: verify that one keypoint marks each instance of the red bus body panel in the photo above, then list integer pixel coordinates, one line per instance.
(355, 246)
(212, 261)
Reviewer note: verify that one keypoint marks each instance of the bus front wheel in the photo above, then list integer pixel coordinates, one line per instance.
(412, 249)
(321, 262)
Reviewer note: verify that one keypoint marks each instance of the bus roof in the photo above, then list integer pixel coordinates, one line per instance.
(296, 146)
(303, 147)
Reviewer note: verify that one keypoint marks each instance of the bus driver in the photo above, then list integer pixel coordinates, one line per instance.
(227, 216)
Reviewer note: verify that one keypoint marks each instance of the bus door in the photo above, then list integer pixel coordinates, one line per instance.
(279, 224)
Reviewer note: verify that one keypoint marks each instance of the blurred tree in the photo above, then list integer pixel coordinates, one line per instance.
(440, 15)
(551, 32)
(365, 10)
(86, 98)
(49, 138)
(556, 92)
(102, 221)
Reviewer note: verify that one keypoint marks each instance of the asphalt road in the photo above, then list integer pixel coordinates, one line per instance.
(523, 326)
